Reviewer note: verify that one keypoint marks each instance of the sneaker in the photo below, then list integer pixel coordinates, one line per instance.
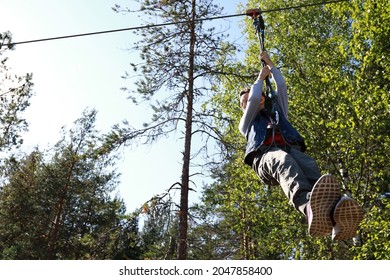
(347, 215)
(323, 198)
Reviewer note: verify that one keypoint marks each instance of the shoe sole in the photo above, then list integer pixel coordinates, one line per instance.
(324, 196)
(348, 216)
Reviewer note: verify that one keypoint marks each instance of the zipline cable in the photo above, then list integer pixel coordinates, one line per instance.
(166, 24)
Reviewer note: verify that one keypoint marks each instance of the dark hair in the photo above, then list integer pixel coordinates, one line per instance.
(245, 90)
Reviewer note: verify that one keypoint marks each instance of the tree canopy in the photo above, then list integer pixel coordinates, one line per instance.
(59, 203)
(335, 59)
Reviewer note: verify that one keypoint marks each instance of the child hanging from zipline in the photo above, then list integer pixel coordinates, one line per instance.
(275, 151)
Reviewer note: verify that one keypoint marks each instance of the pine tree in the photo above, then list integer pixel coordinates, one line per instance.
(15, 93)
(58, 204)
(181, 64)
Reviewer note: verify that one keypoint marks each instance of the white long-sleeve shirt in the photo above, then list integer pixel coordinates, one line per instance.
(254, 98)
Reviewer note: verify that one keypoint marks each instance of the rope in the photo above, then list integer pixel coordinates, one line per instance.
(165, 24)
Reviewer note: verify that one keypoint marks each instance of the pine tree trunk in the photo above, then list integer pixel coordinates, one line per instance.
(183, 215)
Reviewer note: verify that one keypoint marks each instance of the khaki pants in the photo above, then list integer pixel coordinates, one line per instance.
(294, 171)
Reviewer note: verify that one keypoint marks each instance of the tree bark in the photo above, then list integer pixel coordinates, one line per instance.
(183, 215)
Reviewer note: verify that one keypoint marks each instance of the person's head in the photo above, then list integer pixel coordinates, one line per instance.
(244, 95)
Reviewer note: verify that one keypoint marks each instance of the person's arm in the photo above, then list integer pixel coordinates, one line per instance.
(253, 104)
(281, 87)
(281, 90)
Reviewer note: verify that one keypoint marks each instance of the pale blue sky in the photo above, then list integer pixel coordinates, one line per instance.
(73, 74)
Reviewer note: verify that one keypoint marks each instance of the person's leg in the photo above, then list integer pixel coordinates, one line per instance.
(315, 202)
(278, 165)
(308, 166)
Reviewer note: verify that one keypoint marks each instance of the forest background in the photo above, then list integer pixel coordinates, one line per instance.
(60, 202)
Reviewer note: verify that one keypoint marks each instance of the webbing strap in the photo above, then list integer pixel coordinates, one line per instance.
(258, 23)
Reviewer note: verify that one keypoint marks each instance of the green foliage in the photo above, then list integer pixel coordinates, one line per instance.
(376, 229)
(159, 235)
(335, 59)
(59, 204)
(15, 93)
